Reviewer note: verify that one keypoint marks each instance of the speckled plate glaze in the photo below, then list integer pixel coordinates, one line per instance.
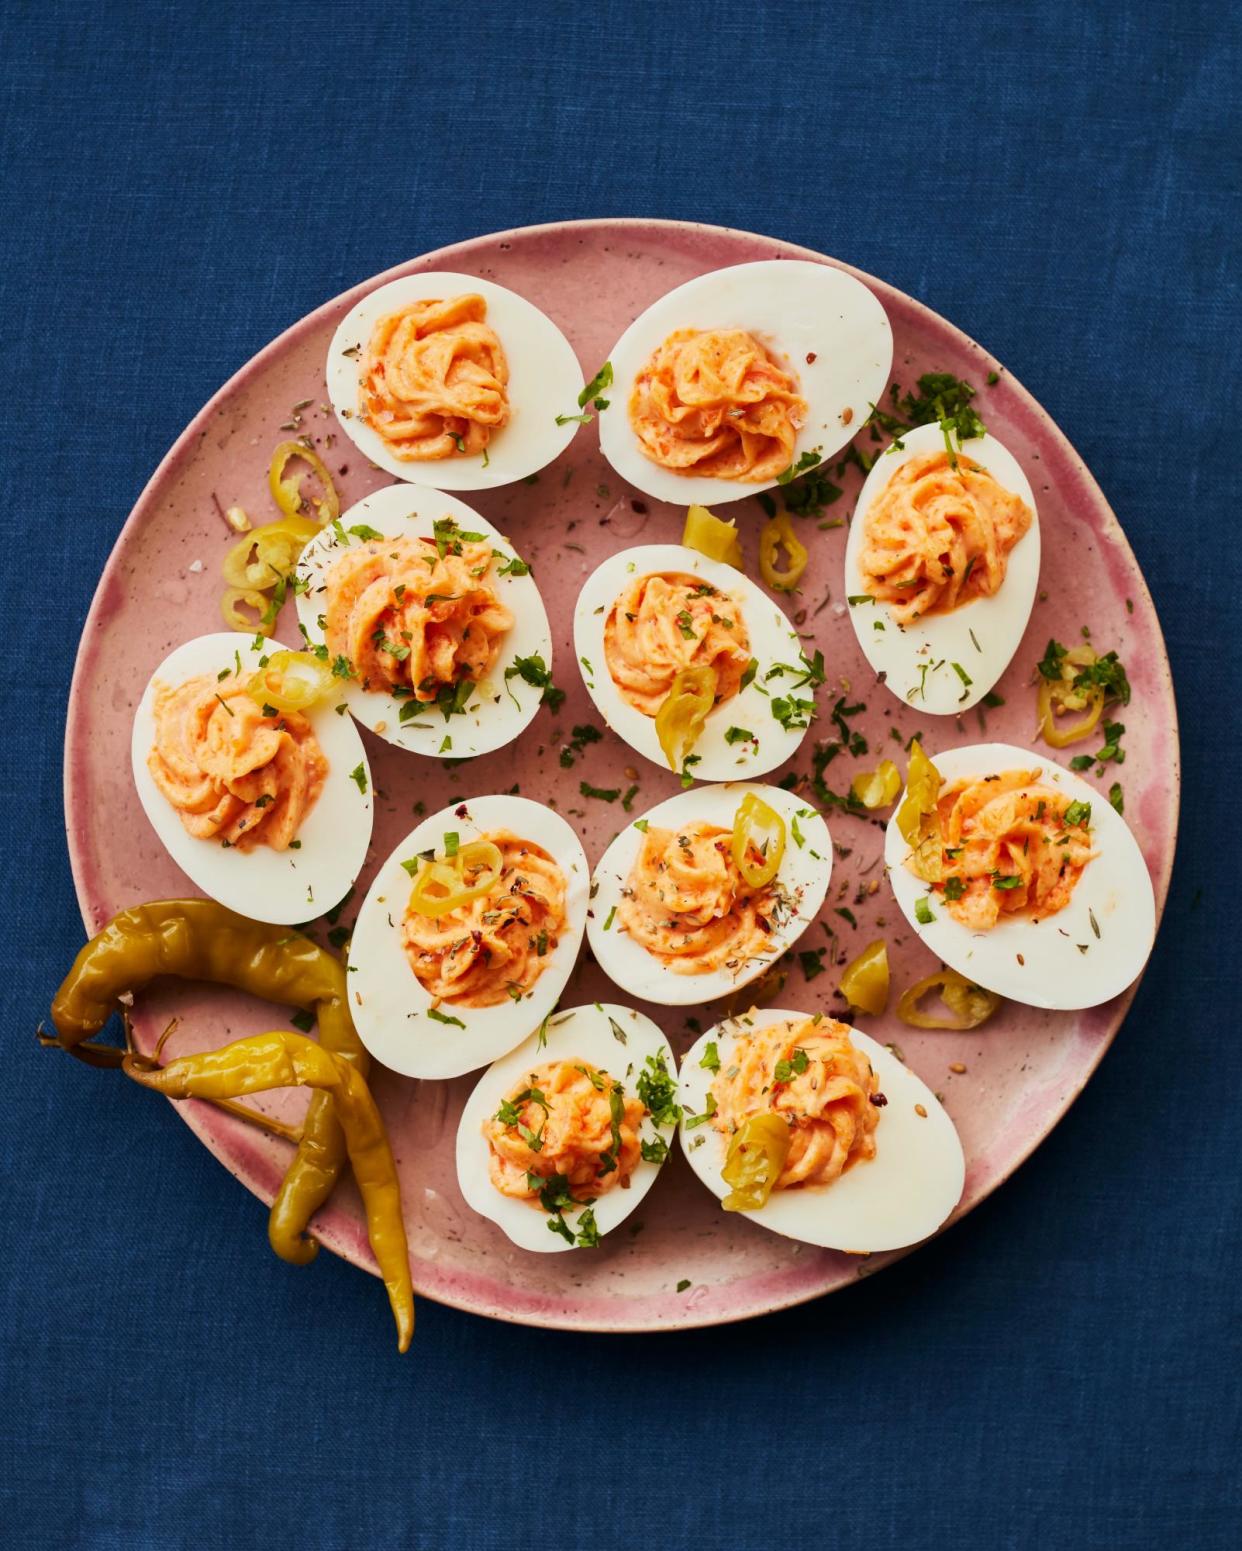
(162, 586)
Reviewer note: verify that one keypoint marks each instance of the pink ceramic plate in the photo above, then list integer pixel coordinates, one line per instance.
(162, 585)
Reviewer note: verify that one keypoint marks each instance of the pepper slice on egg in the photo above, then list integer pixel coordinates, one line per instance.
(290, 681)
(758, 842)
(757, 1153)
(683, 713)
(444, 885)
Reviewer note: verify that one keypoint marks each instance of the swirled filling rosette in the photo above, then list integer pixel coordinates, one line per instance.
(454, 381)
(1020, 876)
(258, 789)
(727, 384)
(468, 934)
(942, 566)
(428, 620)
(562, 1138)
(807, 1127)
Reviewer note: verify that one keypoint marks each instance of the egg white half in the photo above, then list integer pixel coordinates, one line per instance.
(544, 382)
(795, 309)
(283, 887)
(917, 660)
(804, 873)
(390, 1007)
(773, 640)
(500, 708)
(1061, 961)
(899, 1197)
(593, 1035)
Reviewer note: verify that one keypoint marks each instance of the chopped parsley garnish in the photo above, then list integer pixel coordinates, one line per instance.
(604, 793)
(793, 713)
(965, 677)
(692, 1121)
(1106, 673)
(580, 735)
(739, 735)
(1112, 744)
(534, 671)
(449, 538)
(362, 531)
(657, 1090)
(923, 913)
(808, 494)
(752, 667)
(437, 1016)
(794, 1067)
(588, 1233)
(685, 623)
(358, 776)
(1078, 813)
(941, 397)
(812, 962)
(1006, 881)
(1111, 749)
(1117, 797)
(810, 459)
(654, 1151)
(303, 1020)
(591, 393)
(710, 1059)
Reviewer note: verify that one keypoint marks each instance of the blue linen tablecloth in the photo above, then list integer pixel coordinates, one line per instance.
(180, 182)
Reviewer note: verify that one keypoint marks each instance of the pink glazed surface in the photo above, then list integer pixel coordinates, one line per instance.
(592, 277)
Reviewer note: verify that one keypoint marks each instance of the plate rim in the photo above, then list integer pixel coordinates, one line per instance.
(194, 1114)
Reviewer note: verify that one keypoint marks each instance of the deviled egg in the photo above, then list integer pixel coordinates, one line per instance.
(813, 1130)
(467, 935)
(1019, 875)
(942, 566)
(691, 664)
(563, 1137)
(260, 792)
(704, 892)
(728, 381)
(430, 619)
(454, 381)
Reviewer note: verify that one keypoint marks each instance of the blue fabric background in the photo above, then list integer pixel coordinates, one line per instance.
(179, 182)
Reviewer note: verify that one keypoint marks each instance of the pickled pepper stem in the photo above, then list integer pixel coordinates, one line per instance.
(281, 1059)
(197, 939)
